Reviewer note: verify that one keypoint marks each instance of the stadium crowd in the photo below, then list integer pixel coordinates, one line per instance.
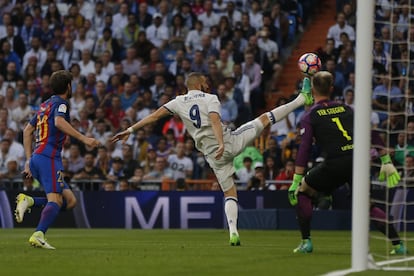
(130, 57)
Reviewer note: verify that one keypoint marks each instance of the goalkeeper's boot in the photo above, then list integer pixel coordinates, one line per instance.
(306, 91)
(234, 240)
(399, 249)
(38, 240)
(305, 246)
(24, 202)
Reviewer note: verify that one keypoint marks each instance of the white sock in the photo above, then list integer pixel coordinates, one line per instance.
(231, 210)
(280, 112)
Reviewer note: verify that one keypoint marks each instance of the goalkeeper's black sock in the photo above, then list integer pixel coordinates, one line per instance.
(304, 214)
(379, 219)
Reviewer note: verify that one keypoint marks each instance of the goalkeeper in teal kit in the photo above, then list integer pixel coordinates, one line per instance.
(329, 125)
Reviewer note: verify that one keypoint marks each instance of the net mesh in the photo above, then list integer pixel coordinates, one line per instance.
(393, 118)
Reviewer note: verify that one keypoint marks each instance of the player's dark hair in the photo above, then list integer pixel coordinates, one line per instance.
(59, 81)
(322, 83)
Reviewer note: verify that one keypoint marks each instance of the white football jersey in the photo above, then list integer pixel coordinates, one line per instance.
(179, 166)
(193, 109)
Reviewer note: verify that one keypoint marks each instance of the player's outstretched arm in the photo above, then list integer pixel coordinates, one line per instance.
(218, 133)
(153, 117)
(27, 143)
(68, 129)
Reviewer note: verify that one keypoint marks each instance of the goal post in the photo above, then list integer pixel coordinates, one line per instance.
(362, 134)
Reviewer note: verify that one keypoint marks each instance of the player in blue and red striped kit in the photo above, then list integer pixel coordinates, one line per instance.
(50, 125)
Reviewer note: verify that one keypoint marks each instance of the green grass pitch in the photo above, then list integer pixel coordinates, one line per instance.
(175, 252)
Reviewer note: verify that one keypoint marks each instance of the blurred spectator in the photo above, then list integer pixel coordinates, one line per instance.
(270, 170)
(163, 149)
(281, 23)
(36, 53)
(286, 174)
(157, 33)
(116, 171)
(143, 46)
(82, 42)
(158, 88)
(225, 63)
(160, 170)
(349, 13)
(180, 165)
(386, 95)
(199, 64)
(258, 181)
(129, 96)
(178, 32)
(68, 54)
(28, 31)
(102, 161)
(4, 155)
(149, 163)
(9, 55)
(253, 70)
(22, 113)
(144, 19)
(123, 185)
(4, 116)
(341, 26)
(16, 41)
(76, 161)
(16, 149)
(11, 75)
(89, 171)
(187, 14)
(381, 56)
(106, 43)
(246, 172)
(208, 16)
(136, 179)
(108, 186)
(131, 64)
(115, 113)
(274, 151)
(13, 171)
(339, 80)
(86, 64)
(129, 34)
(98, 17)
(193, 40)
(120, 19)
(232, 13)
(229, 110)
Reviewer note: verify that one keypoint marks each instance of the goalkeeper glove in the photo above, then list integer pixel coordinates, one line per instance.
(388, 172)
(294, 188)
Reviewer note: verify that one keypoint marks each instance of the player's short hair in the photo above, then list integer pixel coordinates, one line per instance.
(193, 78)
(59, 81)
(322, 83)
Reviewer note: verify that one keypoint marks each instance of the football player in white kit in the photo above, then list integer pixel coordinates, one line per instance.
(200, 113)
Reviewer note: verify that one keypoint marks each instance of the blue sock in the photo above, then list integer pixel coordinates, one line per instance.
(49, 215)
(39, 201)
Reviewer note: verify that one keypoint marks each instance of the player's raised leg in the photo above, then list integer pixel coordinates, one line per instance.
(280, 112)
(24, 203)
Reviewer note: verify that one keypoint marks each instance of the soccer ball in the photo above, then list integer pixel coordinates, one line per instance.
(309, 64)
